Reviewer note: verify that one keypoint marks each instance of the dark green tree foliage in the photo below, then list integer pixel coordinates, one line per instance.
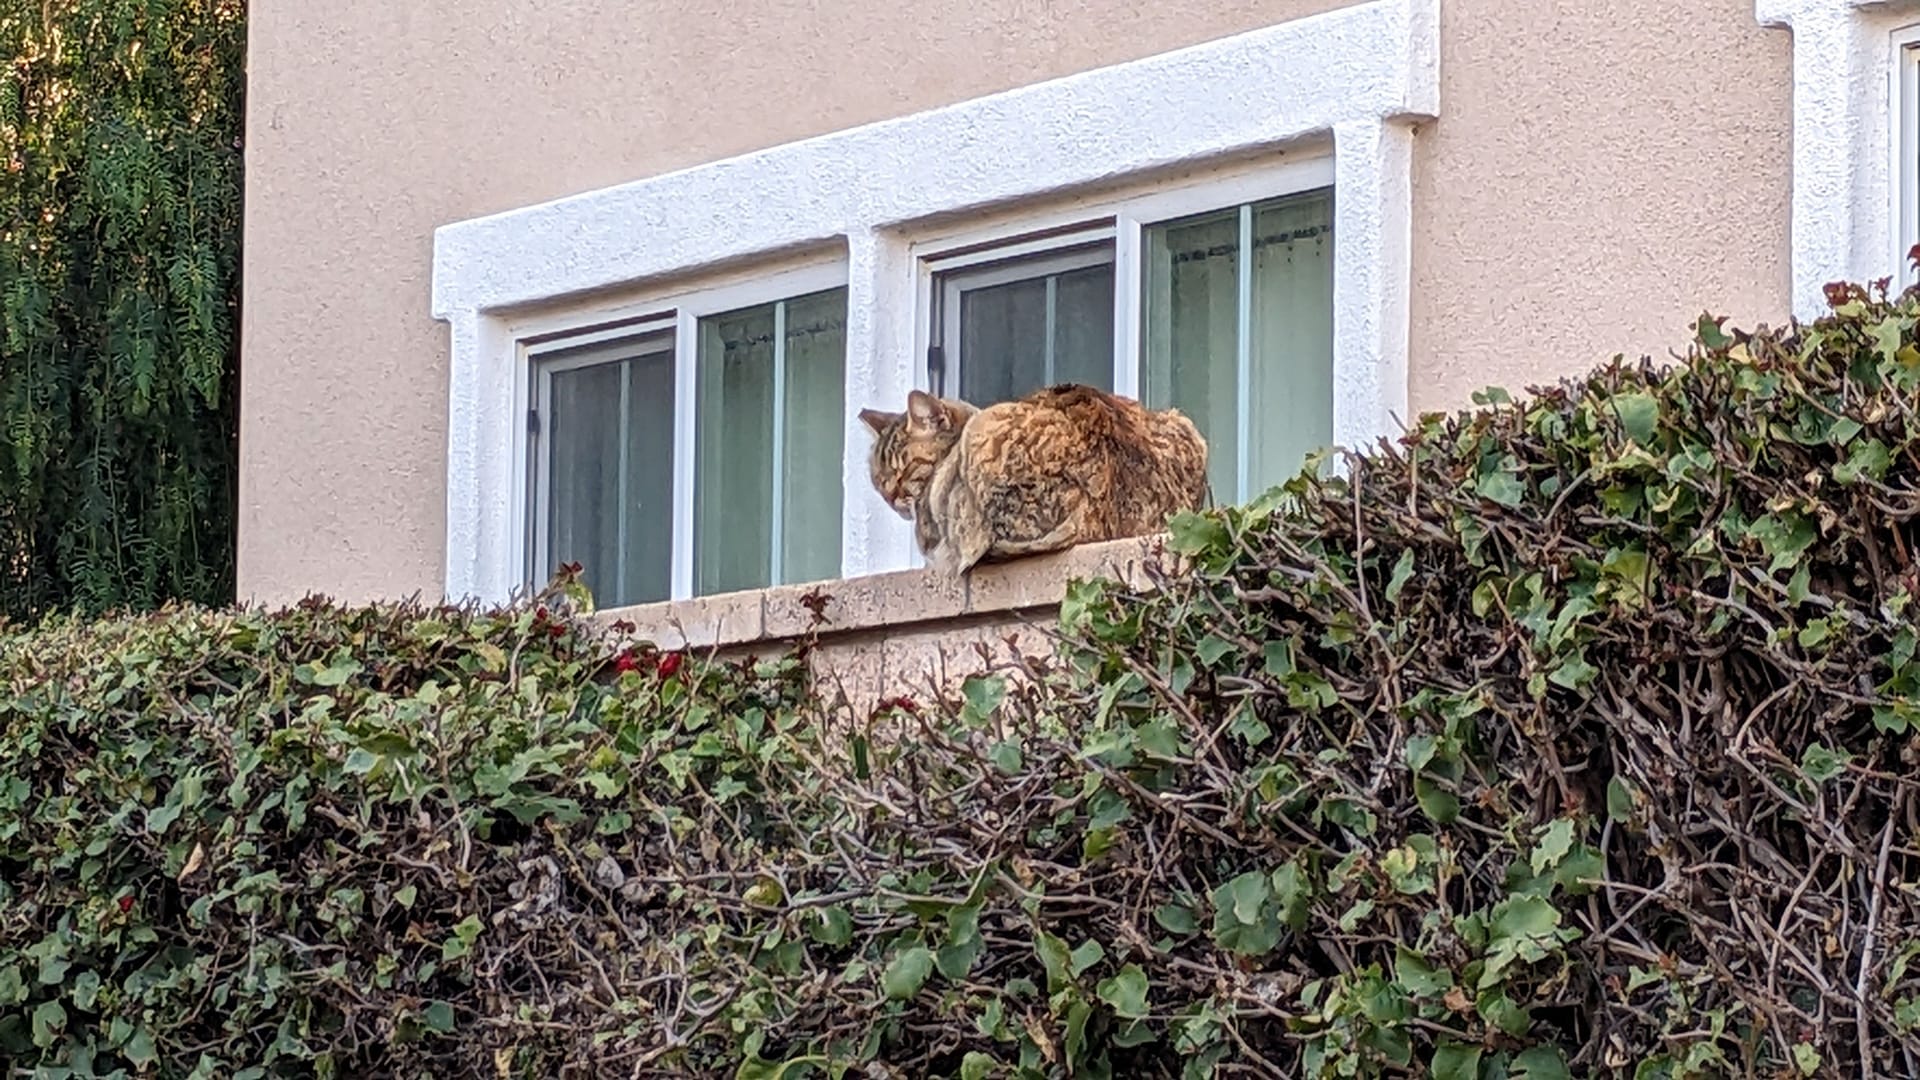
(1575, 736)
(120, 174)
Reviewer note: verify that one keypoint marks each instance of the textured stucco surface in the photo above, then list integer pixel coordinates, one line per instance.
(1597, 178)
(1601, 174)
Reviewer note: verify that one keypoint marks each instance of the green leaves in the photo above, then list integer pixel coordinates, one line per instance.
(1251, 910)
(1126, 992)
(1193, 535)
(120, 181)
(907, 973)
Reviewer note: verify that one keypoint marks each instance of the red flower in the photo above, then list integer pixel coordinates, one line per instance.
(669, 665)
(626, 662)
(556, 630)
(126, 903)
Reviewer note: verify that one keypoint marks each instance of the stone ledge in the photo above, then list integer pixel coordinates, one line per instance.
(881, 601)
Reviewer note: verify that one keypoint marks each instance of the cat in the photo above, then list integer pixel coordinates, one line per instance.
(1069, 464)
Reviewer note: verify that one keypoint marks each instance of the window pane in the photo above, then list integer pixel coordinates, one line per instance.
(610, 475)
(1193, 325)
(1083, 327)
(1192, 333)
(1018, 336)
(769, 425)
(815, 430)
(1292, 369)
(733, 466)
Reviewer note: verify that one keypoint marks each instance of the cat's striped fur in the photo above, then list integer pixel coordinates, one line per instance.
(1066, 465)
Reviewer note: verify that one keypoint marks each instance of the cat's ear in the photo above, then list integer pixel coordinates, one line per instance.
(877, 420)
(927, 412)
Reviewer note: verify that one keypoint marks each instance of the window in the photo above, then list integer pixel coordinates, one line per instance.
(1216, 299)
(1239, 335)
(1905, 172)
(692, 450)
(1012, 325)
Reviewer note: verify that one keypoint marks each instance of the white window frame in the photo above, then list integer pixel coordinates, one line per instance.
(1352, 84)
(1904, 139)
(677, 313)
(1850, 177)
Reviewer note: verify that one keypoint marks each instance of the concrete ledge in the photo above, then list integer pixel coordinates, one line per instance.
(917, 601)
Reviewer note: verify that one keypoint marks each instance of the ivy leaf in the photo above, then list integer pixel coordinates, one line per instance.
(49, 1022)
(1244, 917)
(908, 972)
(832, 926)
(1821, 764)
(1176, 919)
(1455, 1061)
(1126, 992)
(1053, 957)
(1211, 649)
(1619, 800)
(1006, 756)
(336, 674)
(1540, 1063)
(1088, 954)
(1402, 573)
(1502, 486)
(1555, 842)
(1421, 978)
(1639, 415)
(976, 1066)
(1192, 534)
(983, 695)
(439, 1018)
(1441, 806)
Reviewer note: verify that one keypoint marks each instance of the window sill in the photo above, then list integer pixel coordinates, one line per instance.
(906, 600)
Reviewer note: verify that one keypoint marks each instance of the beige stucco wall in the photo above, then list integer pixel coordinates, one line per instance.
(1600, 173)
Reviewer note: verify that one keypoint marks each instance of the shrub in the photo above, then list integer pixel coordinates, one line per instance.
(1570, 736)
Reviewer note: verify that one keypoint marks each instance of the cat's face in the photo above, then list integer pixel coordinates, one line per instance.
(908, 445)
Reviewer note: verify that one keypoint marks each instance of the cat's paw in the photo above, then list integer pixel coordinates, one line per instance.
(945, 563)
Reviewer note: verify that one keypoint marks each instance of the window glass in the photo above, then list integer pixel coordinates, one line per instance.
(1017, 326)
(1238, 334)
(609, 475)
(769, 429)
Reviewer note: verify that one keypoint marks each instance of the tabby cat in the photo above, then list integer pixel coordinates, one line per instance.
(1066, 465)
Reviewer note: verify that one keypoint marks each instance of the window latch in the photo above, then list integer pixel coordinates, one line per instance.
(937, 370)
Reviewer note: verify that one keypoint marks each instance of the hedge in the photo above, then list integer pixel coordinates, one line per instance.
(1571, 735)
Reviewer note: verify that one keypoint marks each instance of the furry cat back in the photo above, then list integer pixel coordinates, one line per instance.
(1066, 465)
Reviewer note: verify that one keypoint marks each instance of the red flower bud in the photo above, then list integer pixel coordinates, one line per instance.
(669, 665)
(126, 903)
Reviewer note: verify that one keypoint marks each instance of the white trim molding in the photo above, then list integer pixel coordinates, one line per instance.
(1358, 78)
(1846, 203)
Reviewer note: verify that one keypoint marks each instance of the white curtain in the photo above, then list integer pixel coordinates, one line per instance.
(1192, 328)
(1292, 371)
(815, 411)
(1020, 336)
(1192, 333)
(733, 462)
(610, 475)
(743, 454)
